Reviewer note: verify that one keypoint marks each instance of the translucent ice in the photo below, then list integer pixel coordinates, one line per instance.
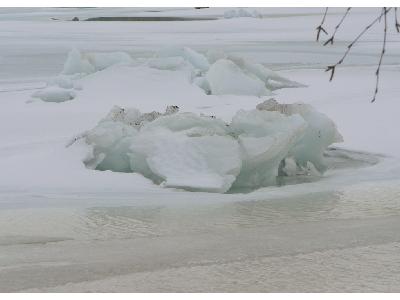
(86, 63)
(76, 63)
(321, 132)
(220, 73)
(200, 153)
(225, 77)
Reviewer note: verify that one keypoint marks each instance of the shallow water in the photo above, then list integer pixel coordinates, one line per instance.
(280, 239)
(84, 249)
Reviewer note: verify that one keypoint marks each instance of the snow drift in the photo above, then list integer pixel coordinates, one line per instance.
(202, 153)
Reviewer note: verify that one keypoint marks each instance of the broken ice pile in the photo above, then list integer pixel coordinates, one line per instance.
(219, 73)
(203, 153)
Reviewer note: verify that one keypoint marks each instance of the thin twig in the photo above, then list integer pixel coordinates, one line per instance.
(332, 68)
(320, 28)
(380, 18)
(330, 40)
(397, 24)
(385, 10)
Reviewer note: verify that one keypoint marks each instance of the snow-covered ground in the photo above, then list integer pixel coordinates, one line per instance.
(65, 227)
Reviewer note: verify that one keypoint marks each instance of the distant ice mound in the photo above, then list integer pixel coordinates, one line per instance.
(203, 153)
(86, 63)
(241, 13)
(54, 94)
(216, 72)
(219, 73)
(65, 86)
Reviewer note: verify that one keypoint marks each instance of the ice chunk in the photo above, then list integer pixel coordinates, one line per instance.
(133, 117)
(54, 94)
(288, 167)
(171, 109)
(116, 158)
(199, 153)
(128, 116)
(77, 64)
(108, 133)
(202, 83)
(225, 77)
(265, 138)
(258, 123)
(207, 163)
(190, 123)
(321, 132)
(198, 60)
(171, 58)
(219, 73)
(110, 141)
(270, 78)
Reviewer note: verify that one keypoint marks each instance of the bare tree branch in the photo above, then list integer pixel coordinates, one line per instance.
(380, 18)
(330, 40)
(385, 10)
(319, 27)
(332, 68)
(397, 24)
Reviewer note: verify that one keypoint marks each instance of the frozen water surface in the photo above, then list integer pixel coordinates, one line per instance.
(66, 228)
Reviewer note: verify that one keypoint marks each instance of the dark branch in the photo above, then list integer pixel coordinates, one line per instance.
(320, 28)
(397, 24)
(332, 68)
(385, 11)
(331, 39)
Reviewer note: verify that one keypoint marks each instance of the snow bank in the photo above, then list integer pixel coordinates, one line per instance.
(200, 153)
(219, 73)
